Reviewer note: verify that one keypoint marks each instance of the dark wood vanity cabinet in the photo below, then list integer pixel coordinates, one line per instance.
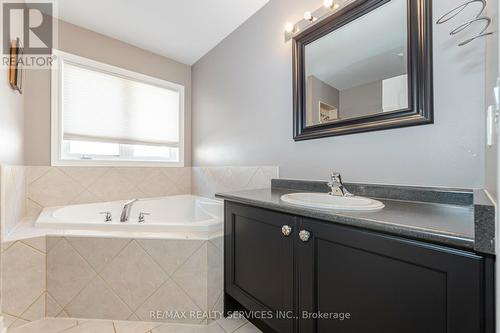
(259, 263)
(321, 273)
(386, 284)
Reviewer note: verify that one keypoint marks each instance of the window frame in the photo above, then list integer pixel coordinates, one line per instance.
(57, 112)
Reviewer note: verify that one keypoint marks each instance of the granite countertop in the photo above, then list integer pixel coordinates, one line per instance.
(448, 222)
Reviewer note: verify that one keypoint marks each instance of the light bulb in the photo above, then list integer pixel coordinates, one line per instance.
(331, 4)
(289, 27)
(308, 16)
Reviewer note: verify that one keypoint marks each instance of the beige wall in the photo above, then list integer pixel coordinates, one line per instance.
(89, 44)
(11, 122)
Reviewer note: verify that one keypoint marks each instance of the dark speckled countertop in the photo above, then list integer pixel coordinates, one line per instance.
(449, 221)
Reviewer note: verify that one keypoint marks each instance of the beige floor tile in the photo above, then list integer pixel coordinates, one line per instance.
(231, 324)
(169, 298)
(46, 326)
(181, 328)
(134, 327)
(56, 325)
(93, 326)
(214, 328)
(248, 328)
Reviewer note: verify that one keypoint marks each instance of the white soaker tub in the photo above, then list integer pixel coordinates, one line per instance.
(183, 216)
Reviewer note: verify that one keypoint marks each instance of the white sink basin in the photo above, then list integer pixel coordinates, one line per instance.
(327, 201)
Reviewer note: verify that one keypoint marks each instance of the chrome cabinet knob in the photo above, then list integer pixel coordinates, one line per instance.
(304, 235)
(286, 230)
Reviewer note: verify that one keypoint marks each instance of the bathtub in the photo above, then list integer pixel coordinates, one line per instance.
(181, 216)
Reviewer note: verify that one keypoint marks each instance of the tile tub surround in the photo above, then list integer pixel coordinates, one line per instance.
(206, 181)
(24, 252)
(127, 279)
(28, 189)
(23, 281)
(60, 186)
(13, 195)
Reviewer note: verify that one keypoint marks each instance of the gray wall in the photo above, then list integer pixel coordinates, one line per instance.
(361, 100)
(319, 91)
(243, 112)
(89, 44)
(492, 73)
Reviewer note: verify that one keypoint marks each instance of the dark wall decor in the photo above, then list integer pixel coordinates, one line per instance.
(15, 66)
(418, 110)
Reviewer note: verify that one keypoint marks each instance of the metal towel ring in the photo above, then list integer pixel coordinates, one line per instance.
(457, 10)
(478, 18)
(468, 24)
(467, 41)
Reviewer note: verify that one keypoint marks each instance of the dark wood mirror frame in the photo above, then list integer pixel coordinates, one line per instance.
(420, 87)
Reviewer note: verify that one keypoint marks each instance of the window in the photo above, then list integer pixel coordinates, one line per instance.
(104, 115)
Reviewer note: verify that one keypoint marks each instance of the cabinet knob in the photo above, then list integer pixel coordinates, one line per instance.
(304, 235)
(286, 230)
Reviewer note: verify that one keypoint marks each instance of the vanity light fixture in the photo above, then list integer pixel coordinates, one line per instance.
(312, 17)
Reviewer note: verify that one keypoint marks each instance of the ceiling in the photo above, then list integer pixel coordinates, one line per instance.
(370, 49)
(183, 30)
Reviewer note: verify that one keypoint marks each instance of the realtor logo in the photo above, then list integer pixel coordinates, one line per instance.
(31, 23)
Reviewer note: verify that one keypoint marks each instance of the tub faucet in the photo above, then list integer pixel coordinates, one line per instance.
(337, 187)
(126, 210)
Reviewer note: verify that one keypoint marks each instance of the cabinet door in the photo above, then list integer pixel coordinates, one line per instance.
(259, 260)
(386, 284)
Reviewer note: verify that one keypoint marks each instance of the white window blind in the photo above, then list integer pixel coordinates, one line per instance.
(104, 107)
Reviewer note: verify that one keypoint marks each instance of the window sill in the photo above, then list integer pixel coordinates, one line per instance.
(96, 163)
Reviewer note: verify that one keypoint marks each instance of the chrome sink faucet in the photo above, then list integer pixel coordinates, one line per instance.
(337, 187)
(126, 210)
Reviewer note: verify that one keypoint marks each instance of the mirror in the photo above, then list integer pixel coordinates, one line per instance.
(366, 67)
(347, 80)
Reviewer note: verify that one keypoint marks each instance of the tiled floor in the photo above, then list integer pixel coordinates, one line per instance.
(60, 325)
